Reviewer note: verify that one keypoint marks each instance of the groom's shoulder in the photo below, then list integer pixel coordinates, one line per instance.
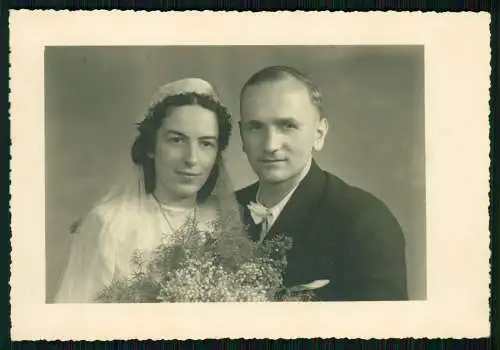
(351, 199)
(246, 194)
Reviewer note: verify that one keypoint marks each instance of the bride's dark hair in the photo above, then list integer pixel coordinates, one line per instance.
(145, 142)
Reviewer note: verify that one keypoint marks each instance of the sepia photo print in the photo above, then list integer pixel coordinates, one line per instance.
(204, 175)
(356, 217)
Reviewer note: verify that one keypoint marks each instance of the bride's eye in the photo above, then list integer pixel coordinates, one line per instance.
(208, 144)
(175, 140)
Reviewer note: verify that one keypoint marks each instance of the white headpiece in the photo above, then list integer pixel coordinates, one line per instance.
(184, 86)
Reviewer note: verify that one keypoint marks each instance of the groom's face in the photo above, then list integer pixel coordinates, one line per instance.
(280, 127)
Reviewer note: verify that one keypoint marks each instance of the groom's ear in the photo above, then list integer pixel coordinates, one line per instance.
(241, 136)
(321, 132)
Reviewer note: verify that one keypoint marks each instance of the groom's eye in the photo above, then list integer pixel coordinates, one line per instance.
(253, 126)
(288, 125)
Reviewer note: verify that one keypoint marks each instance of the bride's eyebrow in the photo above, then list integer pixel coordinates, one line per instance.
(178, 133)
(174, 132)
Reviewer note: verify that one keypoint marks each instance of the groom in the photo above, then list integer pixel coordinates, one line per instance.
(340, 233)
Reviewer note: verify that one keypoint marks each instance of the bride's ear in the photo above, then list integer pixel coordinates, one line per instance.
(149, 152)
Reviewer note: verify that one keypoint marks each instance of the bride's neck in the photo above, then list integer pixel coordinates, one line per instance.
(166, 198)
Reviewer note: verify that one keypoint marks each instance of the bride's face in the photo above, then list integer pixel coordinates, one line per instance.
(186, 150)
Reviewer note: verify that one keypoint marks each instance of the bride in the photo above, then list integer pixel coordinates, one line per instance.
(177, 176)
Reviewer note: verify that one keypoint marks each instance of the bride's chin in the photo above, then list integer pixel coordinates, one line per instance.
(187, 190)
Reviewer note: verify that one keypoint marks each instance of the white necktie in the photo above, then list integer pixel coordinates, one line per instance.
(260, 214)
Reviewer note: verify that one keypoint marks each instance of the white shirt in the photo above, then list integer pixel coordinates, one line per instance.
(276, 210)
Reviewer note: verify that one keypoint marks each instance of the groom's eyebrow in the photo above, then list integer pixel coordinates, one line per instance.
(286, 120)
(208, 138)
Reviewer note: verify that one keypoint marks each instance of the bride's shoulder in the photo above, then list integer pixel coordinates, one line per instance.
(104, 210)
(100, 215)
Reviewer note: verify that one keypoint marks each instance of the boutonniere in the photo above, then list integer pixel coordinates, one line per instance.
(258, 212)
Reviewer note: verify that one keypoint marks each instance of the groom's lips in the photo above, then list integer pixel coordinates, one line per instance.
(271, 161)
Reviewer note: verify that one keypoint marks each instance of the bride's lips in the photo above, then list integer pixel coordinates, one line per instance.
(187, 173)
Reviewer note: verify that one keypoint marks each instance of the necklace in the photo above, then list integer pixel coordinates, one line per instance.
(165, 216)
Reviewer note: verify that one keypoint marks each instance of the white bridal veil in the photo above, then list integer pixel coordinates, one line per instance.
(126, 219)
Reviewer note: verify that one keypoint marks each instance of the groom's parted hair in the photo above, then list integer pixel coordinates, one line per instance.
(145, 142)
(278, 73)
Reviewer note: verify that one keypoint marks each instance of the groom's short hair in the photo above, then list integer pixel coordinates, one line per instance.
(277, 73)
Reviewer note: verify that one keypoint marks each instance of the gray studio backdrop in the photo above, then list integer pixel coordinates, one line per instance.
(373, 96)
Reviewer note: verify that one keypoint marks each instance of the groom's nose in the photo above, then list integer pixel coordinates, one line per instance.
(272, 141)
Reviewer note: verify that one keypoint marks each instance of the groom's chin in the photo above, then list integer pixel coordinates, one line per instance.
(272, 176)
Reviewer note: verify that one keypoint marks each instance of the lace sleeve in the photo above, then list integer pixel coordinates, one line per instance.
(91, 263)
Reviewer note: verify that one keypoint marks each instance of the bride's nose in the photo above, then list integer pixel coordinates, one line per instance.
(191, 155)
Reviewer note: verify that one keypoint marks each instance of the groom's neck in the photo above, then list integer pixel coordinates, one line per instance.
(270, 194)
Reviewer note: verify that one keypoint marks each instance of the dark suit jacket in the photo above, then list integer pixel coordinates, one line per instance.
(340, 233)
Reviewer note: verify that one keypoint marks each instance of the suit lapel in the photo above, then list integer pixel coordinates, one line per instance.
(303, 201)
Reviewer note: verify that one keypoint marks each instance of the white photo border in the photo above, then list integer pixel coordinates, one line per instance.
(457, 81)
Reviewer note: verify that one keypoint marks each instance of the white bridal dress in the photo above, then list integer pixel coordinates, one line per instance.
(126, 220)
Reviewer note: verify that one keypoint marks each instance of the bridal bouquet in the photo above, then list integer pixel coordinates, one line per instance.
(218, 265)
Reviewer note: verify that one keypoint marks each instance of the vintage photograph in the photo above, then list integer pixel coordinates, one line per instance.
(199, 175)
(235, 173)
